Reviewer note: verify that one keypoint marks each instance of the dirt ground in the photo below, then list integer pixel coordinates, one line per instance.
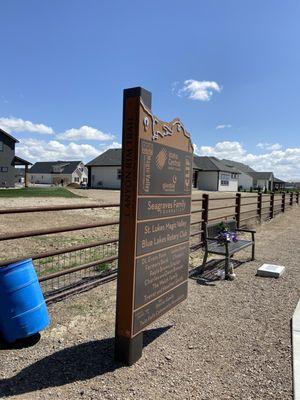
(229, 340)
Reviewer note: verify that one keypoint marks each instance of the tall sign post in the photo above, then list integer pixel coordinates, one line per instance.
(157, 167)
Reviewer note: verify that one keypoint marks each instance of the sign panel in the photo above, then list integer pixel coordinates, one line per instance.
(158, 207)
(164, 170)
(158, 307)
(157, 166)
(160, 233)
(159, 272)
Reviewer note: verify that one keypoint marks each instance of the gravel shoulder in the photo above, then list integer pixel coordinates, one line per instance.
(230, 340)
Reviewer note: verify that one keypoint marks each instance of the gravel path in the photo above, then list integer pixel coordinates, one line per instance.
(230, 340)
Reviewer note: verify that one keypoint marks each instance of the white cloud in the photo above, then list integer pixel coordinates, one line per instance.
(20, 125)
(199, 90)
(84, 133)
(42, 150)
(223, 126)
(285, 163)
(223, 150)
(269, 146)
(113, 145)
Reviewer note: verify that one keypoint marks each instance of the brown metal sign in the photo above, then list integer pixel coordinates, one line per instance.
(159, 272)
(160, 233)
(158, 207)
(157, 165)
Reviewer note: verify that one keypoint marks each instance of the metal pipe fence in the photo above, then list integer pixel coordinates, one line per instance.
(79, 267)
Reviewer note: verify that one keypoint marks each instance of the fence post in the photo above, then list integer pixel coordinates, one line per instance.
(283, 202)
(271, 205)
(297, 198)
(205, 208)
(291, 198)
(259, 205)
(238, 200)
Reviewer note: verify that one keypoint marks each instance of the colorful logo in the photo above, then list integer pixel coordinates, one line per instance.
(161, 158)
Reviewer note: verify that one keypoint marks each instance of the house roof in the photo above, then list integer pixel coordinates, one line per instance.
(46, 167)
(212, 164)
(20, 161)
(261, 175)
(10, 136)
(277, 180)
(240, 166)
(111, 157)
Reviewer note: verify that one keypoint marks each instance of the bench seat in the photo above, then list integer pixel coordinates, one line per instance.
(227, 249)
(217, 248)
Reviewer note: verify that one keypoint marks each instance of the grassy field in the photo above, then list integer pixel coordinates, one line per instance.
(37, 192)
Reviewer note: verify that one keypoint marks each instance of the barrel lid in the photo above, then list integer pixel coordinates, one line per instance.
(16, 264)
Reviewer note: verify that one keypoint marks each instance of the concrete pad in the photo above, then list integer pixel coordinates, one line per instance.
(271, 270)
(296, 318)
(296, 351)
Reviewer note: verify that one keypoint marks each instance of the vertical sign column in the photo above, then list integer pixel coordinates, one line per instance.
(157, 164)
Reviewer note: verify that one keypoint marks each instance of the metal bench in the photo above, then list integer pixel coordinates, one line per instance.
(227, 249)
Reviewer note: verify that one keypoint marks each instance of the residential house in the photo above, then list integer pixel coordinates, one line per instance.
(278, 184)
(292, 185)
(251, 179)
(245, 179)
(58, 173)
(105, 170)
(8, 160)
(212, 174)
(263, 180)
(297, 185)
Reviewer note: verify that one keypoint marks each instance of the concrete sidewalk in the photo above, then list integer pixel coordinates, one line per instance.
(296, 351)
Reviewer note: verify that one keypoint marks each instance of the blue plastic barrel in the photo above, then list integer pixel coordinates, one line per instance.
(23, 310)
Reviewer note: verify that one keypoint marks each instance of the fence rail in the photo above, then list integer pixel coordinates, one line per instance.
(66, 270)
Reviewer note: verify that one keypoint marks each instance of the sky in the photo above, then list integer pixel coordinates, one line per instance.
(230, 70)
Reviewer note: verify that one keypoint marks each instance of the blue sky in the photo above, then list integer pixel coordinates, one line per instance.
(232, 65)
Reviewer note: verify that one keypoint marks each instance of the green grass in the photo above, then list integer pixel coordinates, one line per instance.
(37, 192)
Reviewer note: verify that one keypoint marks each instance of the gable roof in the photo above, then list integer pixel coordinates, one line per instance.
(46, 167)
(262, 175)
(277, 180)
(240, 166)
(20, 161)
(8, 135)
(205, 163)
(111, 157)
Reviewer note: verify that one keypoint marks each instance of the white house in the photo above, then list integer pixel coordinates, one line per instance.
(249, 178)
(58, 173)
(105, 170)
(263, 180)
(212, 174)
(245, 180)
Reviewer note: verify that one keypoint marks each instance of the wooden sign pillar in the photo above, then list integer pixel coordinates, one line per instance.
(157, 166)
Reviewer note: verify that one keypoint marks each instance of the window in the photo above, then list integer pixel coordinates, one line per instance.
(76, 179)
(4, 169)
(84, 179)
(1, 146)
(234, 176)
(119, 174)
(225, 179)
(224, 183)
